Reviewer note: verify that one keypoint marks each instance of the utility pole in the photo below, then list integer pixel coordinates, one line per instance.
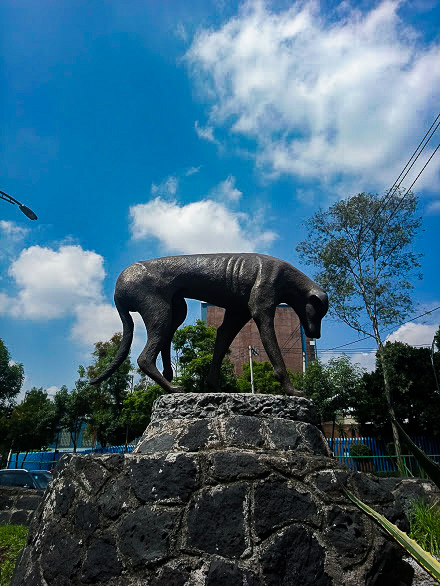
(252, 352)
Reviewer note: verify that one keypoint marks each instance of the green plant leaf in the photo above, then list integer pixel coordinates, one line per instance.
(431, 468)
(422, 557)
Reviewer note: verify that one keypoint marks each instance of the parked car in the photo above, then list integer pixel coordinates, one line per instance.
(36, 479)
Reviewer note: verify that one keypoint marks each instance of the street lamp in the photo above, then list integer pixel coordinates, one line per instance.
(26, 211)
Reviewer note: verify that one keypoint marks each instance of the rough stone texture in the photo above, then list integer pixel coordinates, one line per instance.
(225, 499)
(17, 505)
(201, 406)
(242, 421)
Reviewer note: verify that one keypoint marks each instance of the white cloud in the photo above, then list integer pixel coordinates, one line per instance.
(95, 322)
(166, 188)
(67, 282)
(52, 391)
(414, 334)
(203, 226)
(410, 333)
(99, 321)
(5, 303)
(192, 171)
(365, 360)
(12, 231)
(343, 102)
(181, 33)
(205, 133)
(52, 282)
(226, 190)
(433, 208)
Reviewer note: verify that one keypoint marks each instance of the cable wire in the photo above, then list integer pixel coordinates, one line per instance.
(387, 329)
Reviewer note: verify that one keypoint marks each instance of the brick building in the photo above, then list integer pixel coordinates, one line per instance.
(297, 349)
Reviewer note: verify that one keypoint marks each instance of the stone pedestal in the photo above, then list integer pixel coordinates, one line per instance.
(222, 489)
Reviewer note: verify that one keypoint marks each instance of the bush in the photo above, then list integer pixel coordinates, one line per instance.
(360, 451)
(425, 525)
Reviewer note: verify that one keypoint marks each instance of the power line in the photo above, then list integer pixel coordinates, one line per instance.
(387, 329)
(396, 185)
(424, 167)
(422, 144)
(397, 207)
(290, 337)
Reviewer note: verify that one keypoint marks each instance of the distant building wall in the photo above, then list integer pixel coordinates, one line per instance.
(297, 349)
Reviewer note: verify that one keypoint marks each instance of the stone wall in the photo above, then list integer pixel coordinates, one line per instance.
(17, 505)
(221, 490)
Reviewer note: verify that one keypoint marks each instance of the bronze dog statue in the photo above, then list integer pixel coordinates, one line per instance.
(246, 285)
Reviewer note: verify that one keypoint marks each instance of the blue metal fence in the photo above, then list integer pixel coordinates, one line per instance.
(381, 461)
(47, 460)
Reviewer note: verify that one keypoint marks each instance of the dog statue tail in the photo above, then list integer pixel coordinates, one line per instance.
(124, 348)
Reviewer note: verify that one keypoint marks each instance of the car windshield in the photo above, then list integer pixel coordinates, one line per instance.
(41, 477)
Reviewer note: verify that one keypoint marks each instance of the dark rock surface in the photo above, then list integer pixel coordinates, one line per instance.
(228, 498)
(202, 406)
(17, 505)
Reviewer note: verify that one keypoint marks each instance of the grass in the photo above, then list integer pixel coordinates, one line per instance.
(425, 525)
(12, 540)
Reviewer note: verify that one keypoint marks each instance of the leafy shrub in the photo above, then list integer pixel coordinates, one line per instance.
(424, 521)
(360, 450)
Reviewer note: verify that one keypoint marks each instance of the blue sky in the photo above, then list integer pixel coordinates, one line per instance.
(140, 129)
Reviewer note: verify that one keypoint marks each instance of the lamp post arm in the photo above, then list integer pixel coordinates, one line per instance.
(8, 198)
(26, 211)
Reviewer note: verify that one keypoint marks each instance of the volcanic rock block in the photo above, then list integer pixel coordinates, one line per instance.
(221, 490)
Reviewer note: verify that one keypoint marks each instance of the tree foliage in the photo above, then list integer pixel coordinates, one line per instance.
(195, 346)
(138, 407)
(32, 425)
(11, 378)
(117, 385)
(107, 398)
(73, 409)
(264, 380)
(416, 399)
(362, 247)
(334, 387)
(437, 339)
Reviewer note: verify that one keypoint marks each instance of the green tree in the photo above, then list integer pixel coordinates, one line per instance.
(334, 387)
(73, 408)
(137, 409)
(32, 425)
(416, 399)
(107, 398)
(264, 380)
(11, 378)
(437, 339)
(362, 248)
(195, 346)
